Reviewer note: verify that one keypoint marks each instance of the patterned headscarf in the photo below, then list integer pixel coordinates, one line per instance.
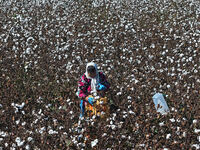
(95, 80)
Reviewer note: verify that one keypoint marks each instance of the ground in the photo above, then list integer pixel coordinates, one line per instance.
(143, 47)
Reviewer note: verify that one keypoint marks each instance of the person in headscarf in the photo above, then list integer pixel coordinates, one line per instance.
(91, 82)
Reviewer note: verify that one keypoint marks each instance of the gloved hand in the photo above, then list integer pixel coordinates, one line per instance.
(91, 100)
(101, 87)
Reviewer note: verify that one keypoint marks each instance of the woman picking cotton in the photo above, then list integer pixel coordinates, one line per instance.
(91, 82)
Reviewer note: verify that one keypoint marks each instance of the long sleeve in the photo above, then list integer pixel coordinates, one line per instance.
(82, 87)
(104, 80)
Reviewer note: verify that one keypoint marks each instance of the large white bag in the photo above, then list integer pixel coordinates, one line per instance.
(160, 103)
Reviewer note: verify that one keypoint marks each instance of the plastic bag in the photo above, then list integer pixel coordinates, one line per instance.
(160, 103)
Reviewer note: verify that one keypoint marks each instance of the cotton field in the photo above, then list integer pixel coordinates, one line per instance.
(143, 47)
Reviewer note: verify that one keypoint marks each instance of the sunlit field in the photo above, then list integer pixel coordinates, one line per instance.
(142, 46)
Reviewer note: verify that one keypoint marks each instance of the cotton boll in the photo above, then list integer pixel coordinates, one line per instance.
(197, 146)
(113, 127)
(23, 123)
(178, 91)
(196, 130)
(52, 132)
(30, 139)
(172, 109)
(74, 140)
(119, 93)
(178, 130)
(101, 102)
(41, 130)
(131, 112)
(111, 122)
(71, 112)
(152, 45)
(152, 68)
(129, 137)
(142, 145)
(19, 142)
(129, 97)
(168, 136)
(161, 124)
(40, 111)
(123, 136)
(163, 53)
(168, 86)
(183, 59)
(194, 121)
(184, 134)
(136, 81)
(120, 125)
(172, 120)
(190, 59)
(92, 123)
(114, 114)
(17, 122)
(27, 147)
(150, 57)
(13, 146)
(6, 144)
(94, 143)
(138, 61)
(161, 70)
(93, 117)
(124, 112)
(184, 119)
(198, 138)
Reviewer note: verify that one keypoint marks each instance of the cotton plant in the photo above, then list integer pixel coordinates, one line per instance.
(83, 28)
